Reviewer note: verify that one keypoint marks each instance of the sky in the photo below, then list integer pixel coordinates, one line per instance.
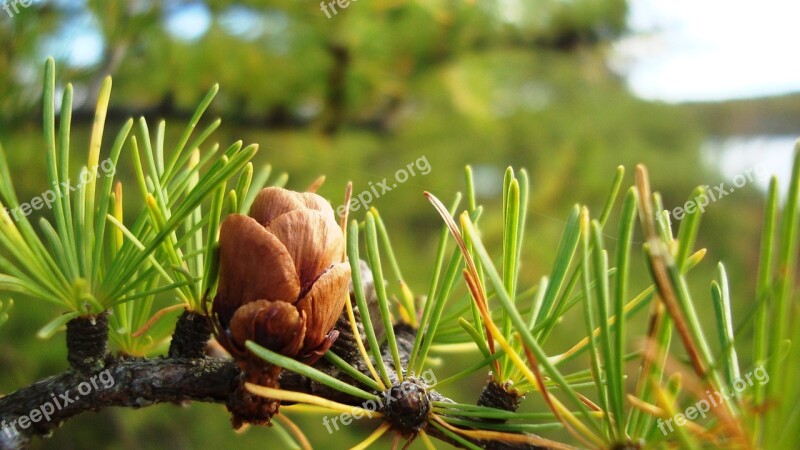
(717, 50)
(684, 50)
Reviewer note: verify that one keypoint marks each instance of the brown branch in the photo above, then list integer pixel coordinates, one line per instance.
(138, 382)
(192, 332)
(98, 380)
(133, 383)
(87, 338)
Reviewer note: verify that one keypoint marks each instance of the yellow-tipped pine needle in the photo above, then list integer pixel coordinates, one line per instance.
(596, 333)
(463, 347)
(156, 317)
(363, 350)
(643, 406)
(558, 408)
(426, 440)
(348, 194)
(372, 437)
(118, 238)
(480, 301)
(313, 187)
(295, 430)
(304, 408)
(503, 437)
(300, 397)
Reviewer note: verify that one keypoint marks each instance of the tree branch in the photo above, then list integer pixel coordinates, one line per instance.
(186, 375)
(131, 382)
(139, 382)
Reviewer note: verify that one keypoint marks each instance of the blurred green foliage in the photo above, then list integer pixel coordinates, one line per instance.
(359, 96)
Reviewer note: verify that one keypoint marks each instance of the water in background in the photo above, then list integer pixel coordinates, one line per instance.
(734, 155)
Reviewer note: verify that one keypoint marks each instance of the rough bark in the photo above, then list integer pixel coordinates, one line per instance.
(98, 380)
(495, 395)
(87, 340)
(138, 382)
(125, 382)
(191, 334)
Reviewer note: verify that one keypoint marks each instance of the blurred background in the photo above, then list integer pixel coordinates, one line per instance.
(568, 89)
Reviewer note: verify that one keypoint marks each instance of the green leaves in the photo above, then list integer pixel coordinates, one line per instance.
(88, 259)
(776, 310)
(64, 268)
(602, 290)
(361, 300)
(310, 372)
(507, 325)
